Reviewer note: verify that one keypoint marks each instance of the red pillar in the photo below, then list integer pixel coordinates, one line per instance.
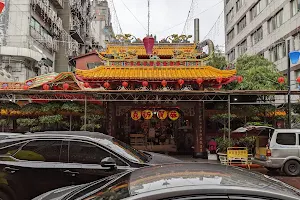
(199, 132)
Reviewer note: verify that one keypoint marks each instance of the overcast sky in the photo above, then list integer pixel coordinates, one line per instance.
(169, 16)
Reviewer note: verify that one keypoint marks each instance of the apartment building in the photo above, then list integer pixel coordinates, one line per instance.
(270, 28)
(42, 36)
(102, 25)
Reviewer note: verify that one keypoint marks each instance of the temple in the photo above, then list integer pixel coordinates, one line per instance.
(168, 125)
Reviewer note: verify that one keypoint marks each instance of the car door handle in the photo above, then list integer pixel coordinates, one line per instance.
(71, 172)
(10, 170)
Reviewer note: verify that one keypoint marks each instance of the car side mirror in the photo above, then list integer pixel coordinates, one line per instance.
(108, 162)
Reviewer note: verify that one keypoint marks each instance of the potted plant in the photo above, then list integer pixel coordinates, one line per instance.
(222, 145)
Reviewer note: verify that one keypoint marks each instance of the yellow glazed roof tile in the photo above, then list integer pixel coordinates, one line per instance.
(166, 50)
(154, 73)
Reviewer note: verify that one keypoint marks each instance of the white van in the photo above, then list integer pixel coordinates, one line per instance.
(282, 151)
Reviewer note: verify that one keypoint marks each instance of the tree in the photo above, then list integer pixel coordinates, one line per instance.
(223, 119)
(70, 109)
(217, 60)
(258, 74)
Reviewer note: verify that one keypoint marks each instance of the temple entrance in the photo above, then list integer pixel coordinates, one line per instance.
(167, 129)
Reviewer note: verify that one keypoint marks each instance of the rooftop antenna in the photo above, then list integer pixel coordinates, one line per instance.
(148, 18)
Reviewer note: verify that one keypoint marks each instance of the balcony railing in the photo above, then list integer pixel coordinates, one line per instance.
(58, 4)
(47, 41)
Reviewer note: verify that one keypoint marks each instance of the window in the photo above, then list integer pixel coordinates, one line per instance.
(10, 148)
(229, 16)
(256, 9)
(276, 21)
(85, 153)
(257, 36)
(242, 47)
(286, 138)
(231, 55)
(242, 24)
(239, 4)
(295, 7)
(278, 51)
(230, 35)
(40, 150)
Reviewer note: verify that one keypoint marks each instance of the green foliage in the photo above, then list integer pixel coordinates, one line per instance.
(258, 74)
(51, 107)
(93, 122)
(9, 106)
(217, 60)
(223, 144)
(27, 122)
(32, 108)
(222, 118)
(258, 124)
(4, 122)
(73, 107)
(50, 119)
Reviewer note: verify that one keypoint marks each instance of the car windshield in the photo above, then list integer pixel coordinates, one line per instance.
(125, 150)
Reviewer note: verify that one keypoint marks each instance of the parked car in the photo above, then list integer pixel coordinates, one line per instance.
(4, 135)
(279, 149)
(32, 164)
(183, 181)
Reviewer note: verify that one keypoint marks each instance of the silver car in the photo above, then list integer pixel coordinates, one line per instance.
(282, 152)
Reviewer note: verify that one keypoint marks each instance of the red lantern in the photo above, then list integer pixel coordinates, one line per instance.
(145, 83)
(125, 84)
(219, 80)
(280, 80)
(164, 83)
(298, 79)
(46, 87)
(199, 81)
(2, 5)
(240, 79)
(25, 87)
(180, 82)
(55, 87)
(106, 85)
(66, 86)
(149, 44)
(86, 85)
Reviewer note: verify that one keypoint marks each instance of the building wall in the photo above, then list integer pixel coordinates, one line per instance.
(81, 63)
(250, 40)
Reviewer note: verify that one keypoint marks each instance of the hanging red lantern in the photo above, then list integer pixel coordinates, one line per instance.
(25, 87)
(106, 85)
(180, 82)
(2, 5)
(46, 87)
(240, 79)
(145, 83)
(280, 80)
(66, 86)
(86, 85)
(164, 83)
(125, 84)
(149, 44)
(199, 81)
(219, 79)
(298, 79)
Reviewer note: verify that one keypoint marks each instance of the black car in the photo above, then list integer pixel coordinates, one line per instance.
(32, 164)
(184, 181)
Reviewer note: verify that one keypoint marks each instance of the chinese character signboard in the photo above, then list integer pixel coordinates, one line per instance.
(173, 115)
(162, 114)
(147, 114)
(136, 115)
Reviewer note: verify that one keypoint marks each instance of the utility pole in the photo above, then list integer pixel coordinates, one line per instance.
(289, 84)
(148, 18)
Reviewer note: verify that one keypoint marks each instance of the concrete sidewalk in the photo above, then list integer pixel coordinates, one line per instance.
(186, 158)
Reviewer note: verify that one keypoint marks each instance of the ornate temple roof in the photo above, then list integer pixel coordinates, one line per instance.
(138, 50)
(154, 73)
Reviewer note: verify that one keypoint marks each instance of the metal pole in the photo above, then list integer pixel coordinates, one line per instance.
(289, 85)
(85, 108)
(229, 117)
(148, 17)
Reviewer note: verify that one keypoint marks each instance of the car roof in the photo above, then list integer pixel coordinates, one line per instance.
(288, 130)
(60, 134)
(202, 174)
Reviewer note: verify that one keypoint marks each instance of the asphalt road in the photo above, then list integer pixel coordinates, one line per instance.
(293, 181)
